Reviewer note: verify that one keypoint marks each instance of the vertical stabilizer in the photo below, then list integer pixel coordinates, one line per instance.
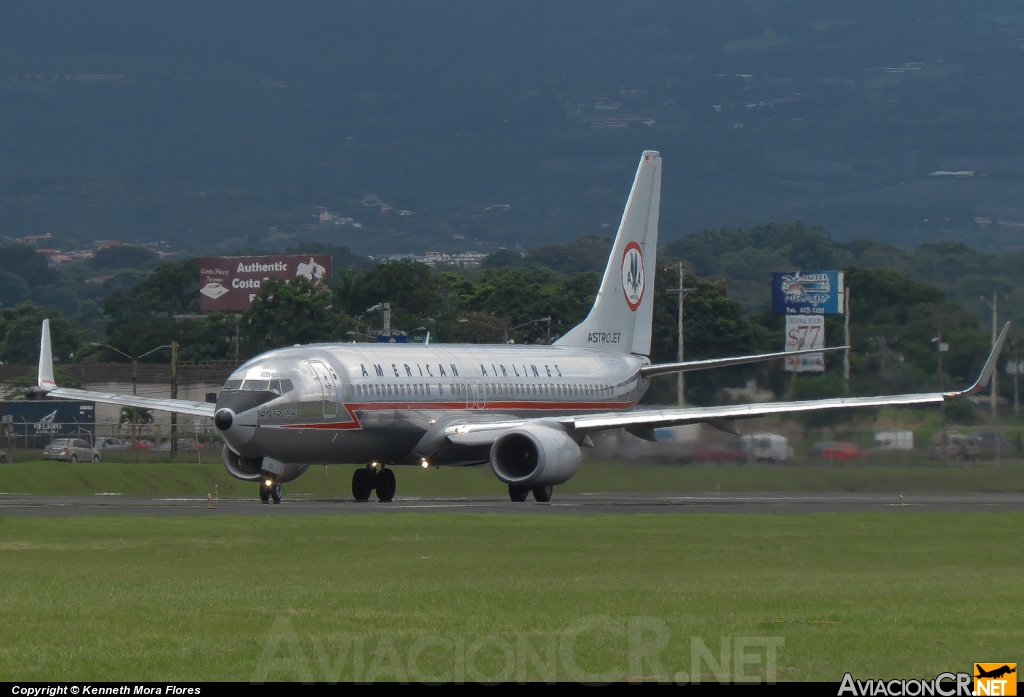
(45, 378)
(621, 317)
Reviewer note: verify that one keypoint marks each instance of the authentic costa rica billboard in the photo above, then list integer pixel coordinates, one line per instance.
(229, 284)
(808, 293)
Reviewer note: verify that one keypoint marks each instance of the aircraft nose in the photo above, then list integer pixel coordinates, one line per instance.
(223, 419)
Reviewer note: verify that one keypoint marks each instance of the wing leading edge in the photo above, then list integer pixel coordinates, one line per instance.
(46, 384)
(654, 418)
(673, 417)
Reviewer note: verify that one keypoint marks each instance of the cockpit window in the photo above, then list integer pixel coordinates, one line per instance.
(286, 386)
(232, 384)
(275, 386)
(256, 385)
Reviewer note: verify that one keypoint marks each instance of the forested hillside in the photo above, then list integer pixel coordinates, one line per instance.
(497, 125)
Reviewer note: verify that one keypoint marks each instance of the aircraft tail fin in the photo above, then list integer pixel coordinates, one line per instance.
(45, 377)
(621, 317)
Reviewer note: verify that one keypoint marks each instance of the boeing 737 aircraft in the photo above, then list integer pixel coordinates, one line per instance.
(527, 410)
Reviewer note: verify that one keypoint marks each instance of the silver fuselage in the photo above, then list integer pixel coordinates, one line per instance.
(357, 403)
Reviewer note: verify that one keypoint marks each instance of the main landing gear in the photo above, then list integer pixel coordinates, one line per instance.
(541, 494)
(269, 489)
(367, 479)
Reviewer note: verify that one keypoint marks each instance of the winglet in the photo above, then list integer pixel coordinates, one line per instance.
(986, 372)
(45, 378)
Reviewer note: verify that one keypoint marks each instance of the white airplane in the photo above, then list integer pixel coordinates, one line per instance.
(525, 409)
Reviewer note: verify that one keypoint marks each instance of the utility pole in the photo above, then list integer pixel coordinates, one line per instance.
(680, 381)
(942, 380)
(846, 351)
(995, 373)
(174, 395)
(1016, 378)
(135, 412)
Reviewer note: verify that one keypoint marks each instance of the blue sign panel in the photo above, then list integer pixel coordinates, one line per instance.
(808, 293)
(34, 423)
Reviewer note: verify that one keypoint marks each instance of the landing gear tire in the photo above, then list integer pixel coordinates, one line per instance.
(264, 492)
(364, 481)
(277, 493)
(387, 484)
(518, 493)
(542, 494)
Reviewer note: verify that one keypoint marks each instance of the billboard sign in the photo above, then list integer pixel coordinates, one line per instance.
(229, 284)
(805, 332)
(34, 422)
(808, 293)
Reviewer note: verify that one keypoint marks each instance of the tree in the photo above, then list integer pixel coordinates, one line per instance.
(28, 264)
(20, 331)
(19, 388)
(291, 312)
(123, 257)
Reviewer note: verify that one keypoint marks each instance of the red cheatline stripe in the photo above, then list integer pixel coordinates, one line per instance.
(490, 406)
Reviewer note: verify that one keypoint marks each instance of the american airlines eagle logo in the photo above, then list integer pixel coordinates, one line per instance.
(633, 279)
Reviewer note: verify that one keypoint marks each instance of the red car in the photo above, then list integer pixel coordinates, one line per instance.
(838, 451)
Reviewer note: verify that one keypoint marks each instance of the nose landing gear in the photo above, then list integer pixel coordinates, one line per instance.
(269, 489)
(367, 479)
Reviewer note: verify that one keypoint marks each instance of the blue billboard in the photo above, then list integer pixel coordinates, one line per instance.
(33, 423)
(808, 293)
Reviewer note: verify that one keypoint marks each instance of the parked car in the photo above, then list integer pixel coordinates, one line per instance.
(112, 444)
(732, 451)
(837, 451)
(952, 445)
(71, 450)
(142, 445)
(768, 447)
(184, 444)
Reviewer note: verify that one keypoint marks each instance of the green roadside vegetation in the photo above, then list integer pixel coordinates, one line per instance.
(471, 597)
(155, 479)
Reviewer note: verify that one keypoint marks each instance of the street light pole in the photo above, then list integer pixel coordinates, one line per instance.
(135, 376)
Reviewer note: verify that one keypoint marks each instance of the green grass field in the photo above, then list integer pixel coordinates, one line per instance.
(474, 596)
(598, 476)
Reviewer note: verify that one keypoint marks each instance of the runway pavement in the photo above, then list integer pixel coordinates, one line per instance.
(567, 504)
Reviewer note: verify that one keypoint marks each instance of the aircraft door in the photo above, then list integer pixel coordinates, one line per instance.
(328, 380)
(479, 396)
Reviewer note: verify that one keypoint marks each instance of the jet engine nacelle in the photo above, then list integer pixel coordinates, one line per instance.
(534, 456)
(253, 469)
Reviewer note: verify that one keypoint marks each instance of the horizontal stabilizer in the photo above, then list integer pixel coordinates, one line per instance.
(688, 366)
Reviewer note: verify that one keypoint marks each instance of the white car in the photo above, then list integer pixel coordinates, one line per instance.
(113, 444)
(768, 447)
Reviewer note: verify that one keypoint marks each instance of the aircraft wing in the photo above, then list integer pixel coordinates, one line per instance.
(688, 366)
(47, 384)
(642, 419)
(177, 406)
